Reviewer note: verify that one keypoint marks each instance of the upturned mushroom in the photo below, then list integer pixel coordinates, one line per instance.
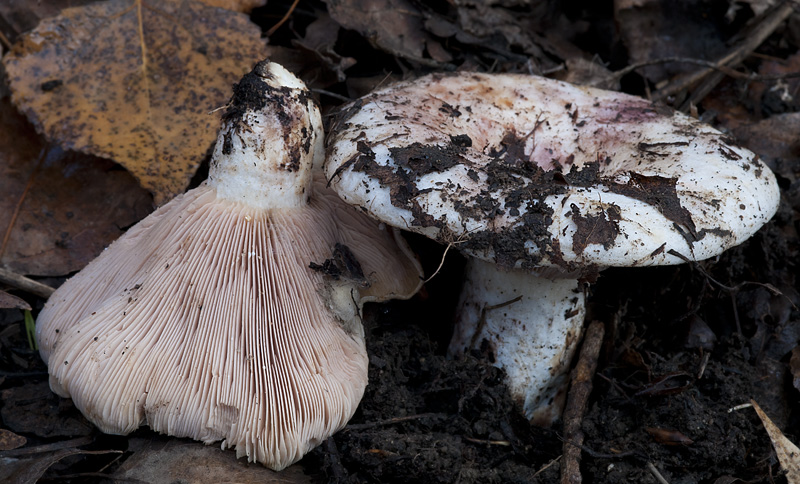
(233, 312)
(543, 184)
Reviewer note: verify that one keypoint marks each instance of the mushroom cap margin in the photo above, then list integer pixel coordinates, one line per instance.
(530, 172)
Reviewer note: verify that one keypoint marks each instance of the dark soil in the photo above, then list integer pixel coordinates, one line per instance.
(674, 367)
(684, 346)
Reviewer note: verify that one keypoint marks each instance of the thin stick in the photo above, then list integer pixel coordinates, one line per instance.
(395, 420)
(441, 263)
(504, 443)
(740, 407)
(39, 449)
(284, 19)
(580, 389)
(703, 364)
(4, 40)
(689, 60)
(28, 285)
(332, 94)
(18, 207)
(546, 466)
(656, 473)
(769, 22)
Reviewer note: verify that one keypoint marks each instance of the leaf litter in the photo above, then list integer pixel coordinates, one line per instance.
(134, 82)
(787, 452)
(428, 418)
(59, 210)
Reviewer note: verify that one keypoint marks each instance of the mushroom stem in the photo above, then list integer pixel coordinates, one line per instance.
(530, 325)
(270, 137)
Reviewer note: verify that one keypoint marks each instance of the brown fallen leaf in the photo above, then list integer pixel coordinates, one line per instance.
(244, 6)
(794, 366)
(9, 440)
(10, 301)
(320, 39)
(396, 26)
(781, 94)
(33, 409)
(58, 210)
(164, 460)
(727, 480)
(134, 81)
(775, 137)
(668, 436)
(30, 470)
(788, 453)
(652, 29)
(490, 21)
(19, 16)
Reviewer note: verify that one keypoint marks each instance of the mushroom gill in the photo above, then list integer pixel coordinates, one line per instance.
(208, 319)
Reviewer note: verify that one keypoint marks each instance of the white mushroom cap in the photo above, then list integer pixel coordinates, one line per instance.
(207, 320)
(531, 172)
(544, 180)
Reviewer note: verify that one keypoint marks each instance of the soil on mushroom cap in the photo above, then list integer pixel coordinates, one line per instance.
(517, 187)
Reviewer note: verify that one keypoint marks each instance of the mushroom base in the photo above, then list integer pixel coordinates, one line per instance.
(529, 325)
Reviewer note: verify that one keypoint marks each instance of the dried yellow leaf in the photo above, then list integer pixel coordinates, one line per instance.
(134, 82)
(236, 5)
(788, 453)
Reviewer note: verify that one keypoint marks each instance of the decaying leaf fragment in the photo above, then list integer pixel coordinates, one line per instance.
(395, 26)
(58, 210)
(134, 81)
(10, 301)
(244, 6)
(788, 453)
(9, 440)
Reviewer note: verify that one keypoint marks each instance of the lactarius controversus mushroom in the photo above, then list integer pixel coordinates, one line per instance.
(543, 184)
(232, 312)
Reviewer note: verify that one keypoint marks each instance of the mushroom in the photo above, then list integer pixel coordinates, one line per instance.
(543, 184)
(233, 312)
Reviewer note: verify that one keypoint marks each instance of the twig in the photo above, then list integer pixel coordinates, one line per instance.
(441, 263)
(13, 220)
(460, 240)
(740, 407)
(549, 464)
(4, 40)
(332, 94)
(656, 473)
(393, 421)
(21, 282)
(39, 449)
(482, 320)
(730, 72)
(283, 20)
(703, 364)
(710, 76)
(580, 389)
(504, 443)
